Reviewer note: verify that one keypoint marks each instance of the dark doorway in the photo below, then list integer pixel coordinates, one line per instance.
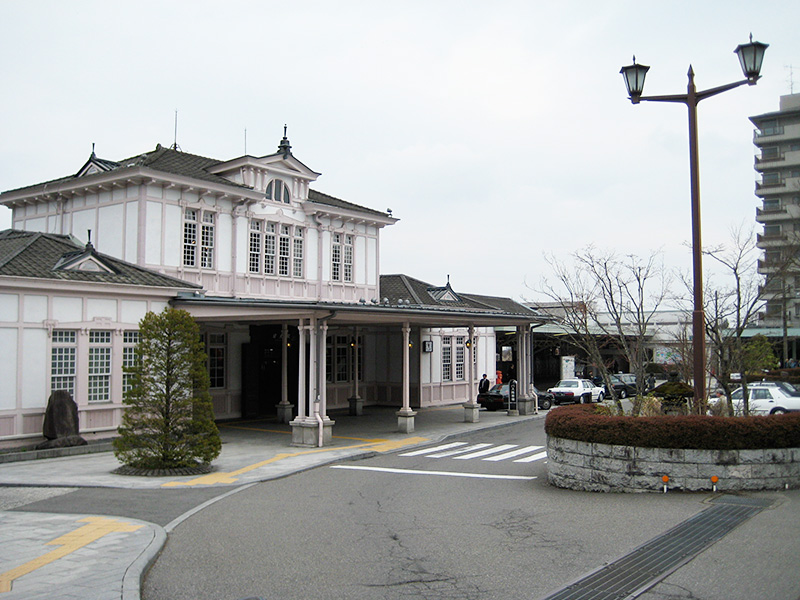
(262, 370)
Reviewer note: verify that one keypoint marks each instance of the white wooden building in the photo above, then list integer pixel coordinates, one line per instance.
(284, 280)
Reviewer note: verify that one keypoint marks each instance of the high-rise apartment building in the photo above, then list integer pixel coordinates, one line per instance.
(777, 138)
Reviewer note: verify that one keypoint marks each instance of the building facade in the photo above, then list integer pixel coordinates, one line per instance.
(284, 280)
(777, 140)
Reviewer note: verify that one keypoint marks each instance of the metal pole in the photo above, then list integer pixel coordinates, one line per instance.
(698, 314)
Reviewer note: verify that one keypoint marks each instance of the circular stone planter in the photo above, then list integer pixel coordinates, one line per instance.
(595, 467)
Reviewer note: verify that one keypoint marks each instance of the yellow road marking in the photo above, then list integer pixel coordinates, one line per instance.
(97, 527)
(232, 477)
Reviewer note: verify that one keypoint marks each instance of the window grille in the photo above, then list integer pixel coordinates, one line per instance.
(190, 238)
(254, 264)
(216, 359)
(447, 358)
(99, 366)
(63, 361)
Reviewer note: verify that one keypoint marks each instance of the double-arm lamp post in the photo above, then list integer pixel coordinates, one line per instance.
(750, 57)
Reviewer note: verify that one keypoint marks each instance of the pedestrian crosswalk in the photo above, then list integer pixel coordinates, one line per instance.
(488, 452)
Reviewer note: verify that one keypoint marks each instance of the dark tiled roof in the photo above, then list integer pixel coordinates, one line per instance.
(36, 255)
(176, 162)
(418, 293)
(321, 198)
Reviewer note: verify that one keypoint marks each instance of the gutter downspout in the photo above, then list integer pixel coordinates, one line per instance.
(319, 422)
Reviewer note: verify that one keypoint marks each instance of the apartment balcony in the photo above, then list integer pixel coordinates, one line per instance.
(769, 215)
(771, 188)
(772, 135)
(772, 240)
(767, 132)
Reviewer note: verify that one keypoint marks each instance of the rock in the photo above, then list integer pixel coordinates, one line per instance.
(62, 442)
(61, 418)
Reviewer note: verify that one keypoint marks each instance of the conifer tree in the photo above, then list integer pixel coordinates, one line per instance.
(169, 419)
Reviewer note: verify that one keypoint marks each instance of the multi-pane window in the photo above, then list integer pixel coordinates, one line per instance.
(207, 241)
(460, 358)
(129, 341)
(99, 389)
(284, 248)
(277, 190)
(297, 253)
(62, 361)
(269, 249)
(342, 257)
(342, 358)
(347, 259)
(216, 360)
(190, 238)
(447, 359)
(336, 257)
(256, 238)
(279, 248)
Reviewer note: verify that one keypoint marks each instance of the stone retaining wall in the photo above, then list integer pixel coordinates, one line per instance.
(605, 468)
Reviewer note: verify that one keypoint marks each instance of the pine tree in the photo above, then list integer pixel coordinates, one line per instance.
(169, 418)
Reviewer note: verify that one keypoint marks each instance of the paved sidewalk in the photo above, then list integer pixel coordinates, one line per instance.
(89, 557)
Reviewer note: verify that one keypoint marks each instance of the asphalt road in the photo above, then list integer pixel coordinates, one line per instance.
(397, 526)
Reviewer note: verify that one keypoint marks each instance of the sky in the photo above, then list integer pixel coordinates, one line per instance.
(498, 132)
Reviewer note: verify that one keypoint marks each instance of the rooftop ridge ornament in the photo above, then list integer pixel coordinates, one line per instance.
(285, 147)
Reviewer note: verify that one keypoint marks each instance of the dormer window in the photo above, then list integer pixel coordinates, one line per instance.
(277, 190)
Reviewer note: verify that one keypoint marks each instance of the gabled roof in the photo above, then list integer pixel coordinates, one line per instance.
(405, 290)
(177, 162)
(61, 257)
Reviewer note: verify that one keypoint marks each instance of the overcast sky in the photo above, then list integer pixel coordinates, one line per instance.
(495, 131)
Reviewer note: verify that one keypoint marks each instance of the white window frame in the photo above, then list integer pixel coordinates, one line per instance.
(64, 360)
(447, 358)
(98, 388)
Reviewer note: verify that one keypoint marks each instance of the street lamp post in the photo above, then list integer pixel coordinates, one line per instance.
(750, 57)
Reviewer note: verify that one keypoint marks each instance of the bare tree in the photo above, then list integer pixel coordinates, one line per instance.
(731, 308)
(605, 299)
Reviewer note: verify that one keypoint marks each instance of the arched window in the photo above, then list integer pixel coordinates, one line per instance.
(277, 190)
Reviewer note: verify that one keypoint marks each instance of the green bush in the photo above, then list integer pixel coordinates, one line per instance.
(581, 422)
(169, 419)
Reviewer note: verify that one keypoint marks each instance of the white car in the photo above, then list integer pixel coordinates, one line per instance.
(576, 390)
(766, 398)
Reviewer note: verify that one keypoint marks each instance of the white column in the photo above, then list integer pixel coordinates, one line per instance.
(313, 390)
(301, 371)
(356, 373)
(322, 370)
(284, 364)
(405, 416)
(406, 367)
(471, 360)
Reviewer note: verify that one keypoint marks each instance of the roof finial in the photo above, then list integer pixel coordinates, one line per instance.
(284, 147)
(175, 138)
(93, 150)
(89, 236)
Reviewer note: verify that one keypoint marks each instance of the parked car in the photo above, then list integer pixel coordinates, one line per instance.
(766, 398)
(622, 387)
(577, 390)
(497, 398)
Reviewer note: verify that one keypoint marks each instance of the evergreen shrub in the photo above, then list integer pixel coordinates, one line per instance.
(169, 418)
(581, 422)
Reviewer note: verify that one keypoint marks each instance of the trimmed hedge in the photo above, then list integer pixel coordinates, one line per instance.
(579, 422)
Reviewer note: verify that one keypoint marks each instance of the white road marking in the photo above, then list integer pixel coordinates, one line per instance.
(436, 449)
(486, 452)
(457, 451)
(514, 453)
(532, 458)
(444, 473)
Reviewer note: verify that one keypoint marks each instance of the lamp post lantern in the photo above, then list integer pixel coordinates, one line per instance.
(750, 56)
